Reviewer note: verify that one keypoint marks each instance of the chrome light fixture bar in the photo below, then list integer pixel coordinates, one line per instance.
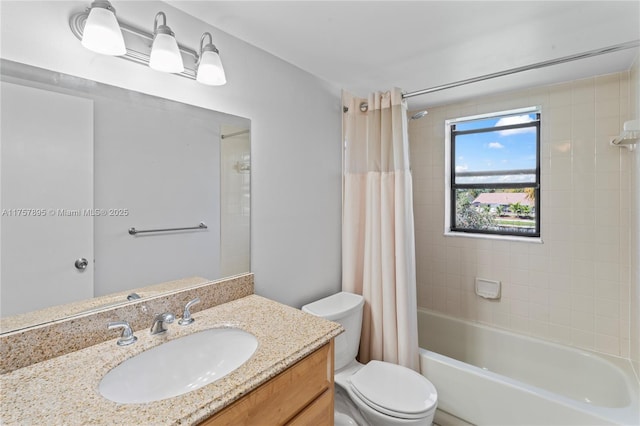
(138, 44)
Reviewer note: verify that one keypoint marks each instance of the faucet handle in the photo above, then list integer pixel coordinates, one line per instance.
(127, 336)
(186, 315)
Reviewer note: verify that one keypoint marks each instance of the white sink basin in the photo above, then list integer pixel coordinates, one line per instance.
(178, 366)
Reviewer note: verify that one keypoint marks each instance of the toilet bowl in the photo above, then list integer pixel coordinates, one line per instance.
(384, 394)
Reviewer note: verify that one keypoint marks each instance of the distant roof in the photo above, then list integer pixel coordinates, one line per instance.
(503, 198)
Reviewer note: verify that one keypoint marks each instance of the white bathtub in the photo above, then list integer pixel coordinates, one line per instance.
(488, 376)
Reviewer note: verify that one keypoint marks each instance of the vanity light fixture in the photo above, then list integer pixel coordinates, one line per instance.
(158, 50)
(102, 32)
(210, 70)
(165, 55)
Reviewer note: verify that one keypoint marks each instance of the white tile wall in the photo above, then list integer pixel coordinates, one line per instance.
(631, 327)
(235, 204)
(575, 287)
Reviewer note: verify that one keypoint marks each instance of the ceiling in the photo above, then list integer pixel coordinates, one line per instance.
(363, 46)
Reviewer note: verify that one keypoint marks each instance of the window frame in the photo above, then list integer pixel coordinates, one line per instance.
(452, 186)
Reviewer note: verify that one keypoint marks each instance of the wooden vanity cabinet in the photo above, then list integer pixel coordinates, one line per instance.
(300, 395)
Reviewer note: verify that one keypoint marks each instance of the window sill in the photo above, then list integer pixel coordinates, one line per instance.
(535, 240)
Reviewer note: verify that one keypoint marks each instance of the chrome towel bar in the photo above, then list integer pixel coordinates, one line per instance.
(134, 231)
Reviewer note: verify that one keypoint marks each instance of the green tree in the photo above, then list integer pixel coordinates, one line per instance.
(531, 193)
(468, 217)
(516, 208)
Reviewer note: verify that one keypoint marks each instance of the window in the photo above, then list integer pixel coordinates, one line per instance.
(494, 173)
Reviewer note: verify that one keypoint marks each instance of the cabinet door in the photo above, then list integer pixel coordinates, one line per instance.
(285, 397)
(319, 412)
(46, 176)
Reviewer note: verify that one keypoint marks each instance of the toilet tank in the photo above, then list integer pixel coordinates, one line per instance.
(346, 309)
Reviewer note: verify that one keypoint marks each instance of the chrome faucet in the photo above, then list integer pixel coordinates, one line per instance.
(133, 296)
(127, 336)
(186, 315)
(160, 320)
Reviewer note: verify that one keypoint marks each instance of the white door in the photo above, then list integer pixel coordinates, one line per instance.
(46, 180)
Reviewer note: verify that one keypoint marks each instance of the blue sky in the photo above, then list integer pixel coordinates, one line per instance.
(497, 150)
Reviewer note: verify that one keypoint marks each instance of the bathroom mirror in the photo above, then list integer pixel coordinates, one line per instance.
(108, 195)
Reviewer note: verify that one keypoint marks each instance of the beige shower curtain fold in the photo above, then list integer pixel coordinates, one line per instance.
(378, 247)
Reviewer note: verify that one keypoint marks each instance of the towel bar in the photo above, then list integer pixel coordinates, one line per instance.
(134, 231)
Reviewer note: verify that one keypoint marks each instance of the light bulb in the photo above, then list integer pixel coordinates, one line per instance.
(102, 32)
(165, 55)
(210, 70)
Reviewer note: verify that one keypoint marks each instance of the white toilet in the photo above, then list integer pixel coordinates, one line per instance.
(385, 394)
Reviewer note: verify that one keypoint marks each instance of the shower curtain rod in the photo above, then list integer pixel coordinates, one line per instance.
(229, 135)
(558, 61)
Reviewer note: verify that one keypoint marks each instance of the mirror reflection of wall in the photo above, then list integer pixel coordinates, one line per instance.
(46, 165)
(235, 200)
(144, 162)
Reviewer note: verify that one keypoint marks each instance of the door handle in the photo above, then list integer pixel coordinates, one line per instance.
(81, 264)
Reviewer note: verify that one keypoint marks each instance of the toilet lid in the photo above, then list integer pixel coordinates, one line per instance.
(394, 390)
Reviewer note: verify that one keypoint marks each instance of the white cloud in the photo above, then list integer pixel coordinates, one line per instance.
(495, 145)
(515, 119)
(462, 168)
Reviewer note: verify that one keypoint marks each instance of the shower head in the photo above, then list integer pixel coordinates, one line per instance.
(418, 115)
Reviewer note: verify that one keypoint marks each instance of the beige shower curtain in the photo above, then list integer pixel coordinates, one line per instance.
(378, 248)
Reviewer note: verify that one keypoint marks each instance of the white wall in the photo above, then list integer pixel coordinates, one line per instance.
(575, 287)
(295, 118)
(161, 164)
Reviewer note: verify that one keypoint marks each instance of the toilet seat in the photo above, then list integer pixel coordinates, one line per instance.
(394, 390)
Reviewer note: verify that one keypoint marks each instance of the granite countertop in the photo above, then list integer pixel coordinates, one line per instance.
(64, 390)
